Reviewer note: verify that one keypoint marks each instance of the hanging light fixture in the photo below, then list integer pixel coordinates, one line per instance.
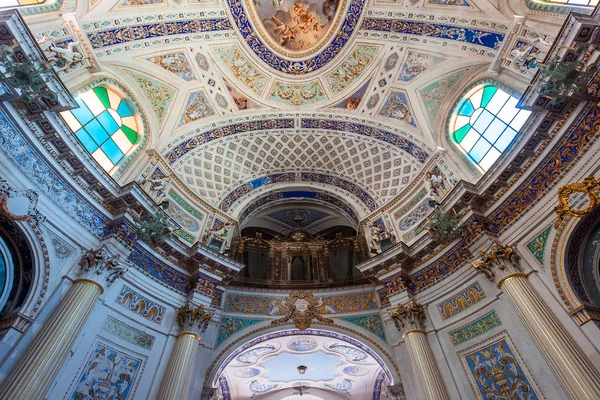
(302, 369)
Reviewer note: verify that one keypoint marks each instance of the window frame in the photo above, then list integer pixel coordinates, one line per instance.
(134, 112)
(479, 135)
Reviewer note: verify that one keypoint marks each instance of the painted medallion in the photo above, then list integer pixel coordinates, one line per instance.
(295, 25)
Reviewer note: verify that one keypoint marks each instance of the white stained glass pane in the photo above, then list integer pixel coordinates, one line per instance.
(93, 102)
(475, 115)
(476, 98)
(122, 141)
(497, 101)
(520, 119)
(505, 139)
(115, 116)
(483, 121)
(509, 110)
(71, 121)
(103, 160)
(469, 140)
(461, 121)
(494, 130)
(489, 159)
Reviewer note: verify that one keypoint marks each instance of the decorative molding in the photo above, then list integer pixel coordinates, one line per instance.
(462, 300)
(475, 328)
(229, 325)
(140, 305)
(128, 333)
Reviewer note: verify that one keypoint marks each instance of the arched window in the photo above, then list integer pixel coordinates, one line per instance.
(485, 123)
(104, 124)
(13, 3)
(574, 2)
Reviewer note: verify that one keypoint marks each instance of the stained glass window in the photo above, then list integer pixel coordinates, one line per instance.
(485, 123)
(575, 2)
(104, 124)
(12, 3)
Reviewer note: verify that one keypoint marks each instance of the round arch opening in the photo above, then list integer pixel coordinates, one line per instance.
(267, 367)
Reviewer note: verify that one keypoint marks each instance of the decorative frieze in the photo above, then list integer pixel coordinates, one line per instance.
(466, 298)
(140, 305)
(475, 328)
(128, 333)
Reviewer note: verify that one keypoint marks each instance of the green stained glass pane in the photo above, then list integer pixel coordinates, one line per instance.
(488, 93)
(460, 134)
(102, 94)
(124, 110)
(130, 133)
(466, 109)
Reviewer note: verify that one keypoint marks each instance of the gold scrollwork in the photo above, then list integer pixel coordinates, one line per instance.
(589, 186)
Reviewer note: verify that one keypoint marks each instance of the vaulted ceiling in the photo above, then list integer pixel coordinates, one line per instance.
(345, 104)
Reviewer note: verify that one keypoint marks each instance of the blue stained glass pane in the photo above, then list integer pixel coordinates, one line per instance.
(483, 121)
(507, 137)
(96, 131)
(108, 122)
(467, 109)
(86, 140)
(82, 113)
(494, 130)
(124, 110)
(112, 151)
(480, 150)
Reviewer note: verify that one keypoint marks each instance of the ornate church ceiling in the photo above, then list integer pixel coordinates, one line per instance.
(245, 100)
(333, 366)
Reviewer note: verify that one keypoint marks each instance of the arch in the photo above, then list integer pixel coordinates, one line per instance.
(143, 132)
(237, 344)
(27, 235)
(243, 189)
(275, 197)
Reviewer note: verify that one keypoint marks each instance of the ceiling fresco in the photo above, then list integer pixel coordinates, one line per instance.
(333, 366)
(248, 100)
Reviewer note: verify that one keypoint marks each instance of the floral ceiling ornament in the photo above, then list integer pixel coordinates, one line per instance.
(588, 188)
(302, 309)
(563, 78)
(154, 228)
(25, 75)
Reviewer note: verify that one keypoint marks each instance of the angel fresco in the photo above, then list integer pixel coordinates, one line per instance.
(296, 24)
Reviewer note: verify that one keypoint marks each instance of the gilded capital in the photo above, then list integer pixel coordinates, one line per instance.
(409, 317)
(498, 263)
(99, 266)
(193, 320)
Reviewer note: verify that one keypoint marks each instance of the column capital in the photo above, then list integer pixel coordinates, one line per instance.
(100, 267)
(193, 320)
(498, 263)
(409, 317)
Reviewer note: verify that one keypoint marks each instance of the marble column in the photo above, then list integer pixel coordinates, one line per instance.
(409, 319)
(31, 377)
(576, 374)
(178, 375)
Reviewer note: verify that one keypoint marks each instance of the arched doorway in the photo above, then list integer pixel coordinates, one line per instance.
(290, 364)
